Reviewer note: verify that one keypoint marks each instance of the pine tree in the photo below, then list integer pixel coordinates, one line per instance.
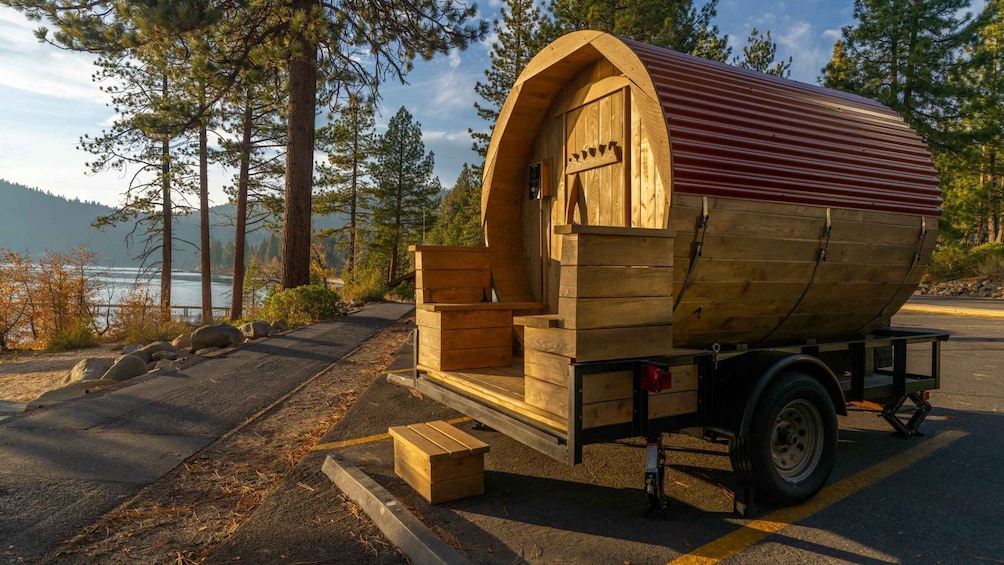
(459, 221)
(405, 192)
(840, 72)
(349, 141)
(760, 54)
(971, 167)
(675, 24)
(902, 53)
(520, 35)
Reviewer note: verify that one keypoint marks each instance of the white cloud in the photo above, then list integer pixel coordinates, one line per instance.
(461, 137)
(454, 58)
(833, 34)
(40, 68)
(796, 36)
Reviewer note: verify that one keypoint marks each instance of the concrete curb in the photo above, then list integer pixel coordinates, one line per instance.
(952, 310)
(400, 526)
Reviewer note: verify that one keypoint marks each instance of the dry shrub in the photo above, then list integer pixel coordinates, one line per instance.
(47, 304)
(140, 319)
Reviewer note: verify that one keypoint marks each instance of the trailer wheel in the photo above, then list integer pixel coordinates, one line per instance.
(792, 443)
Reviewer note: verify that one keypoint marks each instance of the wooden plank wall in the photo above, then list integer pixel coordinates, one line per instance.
(596, 106)
(615, 303)
(470, 339)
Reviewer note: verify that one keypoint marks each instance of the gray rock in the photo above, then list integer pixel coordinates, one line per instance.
(256, 330)
(183, 341)
(155, 347)
(279, 326)
(69, 392)
(218, 335)
(132, 348)
(207, 350)
(90, 369)
(125, 368)
(163, 363)
(169, 355)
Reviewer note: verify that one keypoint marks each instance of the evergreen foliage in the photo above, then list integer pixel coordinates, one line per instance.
(675, 24)
(459, 221)
(349, 141)
(405, 193)
(760, 54)
(520, 35)
(901, 53)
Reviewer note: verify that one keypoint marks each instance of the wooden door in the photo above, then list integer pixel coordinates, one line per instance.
(595, 162)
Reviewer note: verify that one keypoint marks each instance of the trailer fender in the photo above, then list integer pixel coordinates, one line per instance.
(741, 381)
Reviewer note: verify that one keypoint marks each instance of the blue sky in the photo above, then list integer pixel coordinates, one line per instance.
(48, 100)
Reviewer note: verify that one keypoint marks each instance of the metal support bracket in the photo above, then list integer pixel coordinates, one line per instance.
(744, 501)
(655, 478)
(911, 427)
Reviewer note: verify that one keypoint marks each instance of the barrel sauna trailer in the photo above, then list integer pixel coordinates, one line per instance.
(653, 219)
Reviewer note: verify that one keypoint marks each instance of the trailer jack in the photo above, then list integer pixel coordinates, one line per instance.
(911, 427)
(655, 478)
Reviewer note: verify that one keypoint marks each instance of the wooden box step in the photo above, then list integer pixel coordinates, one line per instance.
(439, 461)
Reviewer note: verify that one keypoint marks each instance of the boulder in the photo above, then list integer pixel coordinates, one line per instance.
(256, 330)
(169, 355)
(125, 368)
(155, 347)
(163, 363)
(90, 369)
(218, 335)
(207, 350)
(183, 341)
(133, 348)
(279, 326)
(69, 392)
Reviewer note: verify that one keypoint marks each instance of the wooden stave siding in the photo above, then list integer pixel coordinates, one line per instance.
(856, 289)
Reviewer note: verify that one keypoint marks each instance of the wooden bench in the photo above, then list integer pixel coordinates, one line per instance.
(439, 461)
(459, 328)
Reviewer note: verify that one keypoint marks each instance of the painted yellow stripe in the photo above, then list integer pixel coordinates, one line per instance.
(373, 438)
(952, 310)
(755, 531)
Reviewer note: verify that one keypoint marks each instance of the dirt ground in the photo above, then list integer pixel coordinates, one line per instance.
(193, 510)
(26, 374)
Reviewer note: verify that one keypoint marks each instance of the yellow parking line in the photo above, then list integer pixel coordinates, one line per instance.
(373, 438)
(755, 531)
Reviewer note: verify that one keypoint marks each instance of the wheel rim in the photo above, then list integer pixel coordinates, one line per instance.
(796, 441)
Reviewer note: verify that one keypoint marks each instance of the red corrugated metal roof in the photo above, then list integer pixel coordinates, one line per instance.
(740, 134)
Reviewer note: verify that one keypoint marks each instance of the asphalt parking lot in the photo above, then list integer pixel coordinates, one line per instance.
(936, 499)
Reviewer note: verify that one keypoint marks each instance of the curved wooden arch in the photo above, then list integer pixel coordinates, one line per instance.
(519, 120)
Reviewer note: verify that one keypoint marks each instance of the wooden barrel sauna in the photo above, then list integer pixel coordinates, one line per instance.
(792, 212)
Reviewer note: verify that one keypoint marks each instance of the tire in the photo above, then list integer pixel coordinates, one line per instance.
(792, 443)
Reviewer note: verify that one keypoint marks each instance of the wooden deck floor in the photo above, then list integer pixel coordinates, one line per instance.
(501, 386)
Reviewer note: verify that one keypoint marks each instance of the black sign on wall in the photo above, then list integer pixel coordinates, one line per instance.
(535, 181)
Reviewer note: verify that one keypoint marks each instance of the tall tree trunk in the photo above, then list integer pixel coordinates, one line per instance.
(353, 199)
(240, 236)
(204, 241)
(299, 151)
(397, 233)
(167, 236)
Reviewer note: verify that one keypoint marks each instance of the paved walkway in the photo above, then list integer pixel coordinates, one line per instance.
(64, 467)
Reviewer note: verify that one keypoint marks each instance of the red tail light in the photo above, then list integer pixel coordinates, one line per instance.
(655, 379)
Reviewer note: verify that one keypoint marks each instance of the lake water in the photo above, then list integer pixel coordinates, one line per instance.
(186, 287)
